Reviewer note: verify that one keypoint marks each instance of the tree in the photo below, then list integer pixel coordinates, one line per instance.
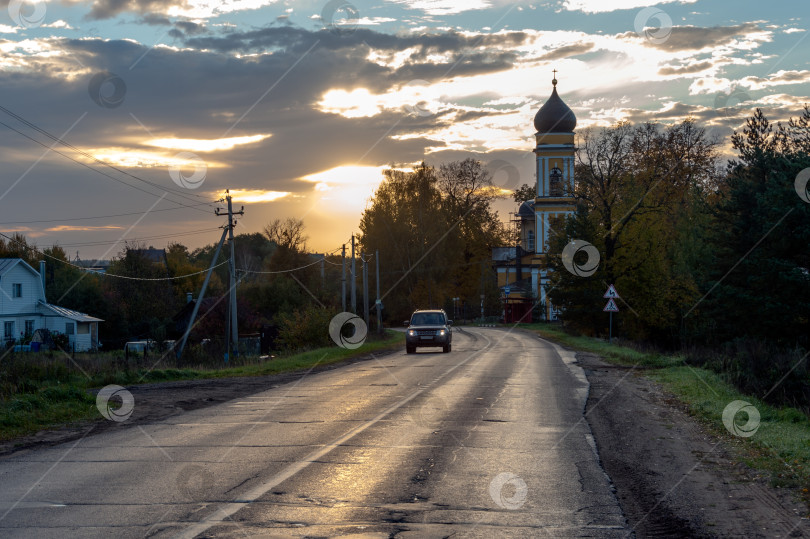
(467, 195)
(142, 295)
(760, 269)
(179, 263)
(291, 243)
(406, 224)
(287, 234)
(433, 229)
(524, 193)
(639, 186)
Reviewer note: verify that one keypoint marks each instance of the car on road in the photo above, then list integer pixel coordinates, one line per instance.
(429, 327)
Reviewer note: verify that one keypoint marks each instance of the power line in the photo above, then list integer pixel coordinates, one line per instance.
(105, 274)
(95, 217)
(93, 158)
(135, 240)
(293, 269)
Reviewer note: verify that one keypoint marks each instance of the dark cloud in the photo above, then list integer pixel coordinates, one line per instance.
(695, 37)
(271, 38)
(106, 9)
(683, 70)
(154, 19)
(205, 94)
(567, 50)
(183, 29)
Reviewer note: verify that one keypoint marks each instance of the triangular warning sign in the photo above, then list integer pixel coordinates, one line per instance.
(611, 307)
(611, 292)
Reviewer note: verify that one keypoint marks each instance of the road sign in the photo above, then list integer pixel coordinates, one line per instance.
(506, 290)
(611, 307)
(611, 293)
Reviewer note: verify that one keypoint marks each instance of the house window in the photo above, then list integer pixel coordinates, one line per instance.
(530, 240)
(83, 328)
(69, 328)
(29, 327)
(8, 330)
(17, 290)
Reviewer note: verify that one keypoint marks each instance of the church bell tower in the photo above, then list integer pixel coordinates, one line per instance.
(555, 124)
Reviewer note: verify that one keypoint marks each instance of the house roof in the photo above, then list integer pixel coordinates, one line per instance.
(7, 263)
(68, 313)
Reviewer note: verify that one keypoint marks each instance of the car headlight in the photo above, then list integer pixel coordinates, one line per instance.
(441, 332)
(411, 332)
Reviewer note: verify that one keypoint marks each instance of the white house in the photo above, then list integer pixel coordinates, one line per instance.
(23, 308)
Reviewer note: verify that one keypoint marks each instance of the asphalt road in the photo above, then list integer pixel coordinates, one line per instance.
(487, 441)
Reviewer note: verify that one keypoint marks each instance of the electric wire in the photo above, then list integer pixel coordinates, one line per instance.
(94, 217)
(105, 274)
(119, 180)
(90, 156)
(135, 240)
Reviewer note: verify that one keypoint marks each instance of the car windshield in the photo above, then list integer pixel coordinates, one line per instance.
(427, 319)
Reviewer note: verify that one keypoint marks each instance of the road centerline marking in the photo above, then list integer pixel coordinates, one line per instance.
(260, 490)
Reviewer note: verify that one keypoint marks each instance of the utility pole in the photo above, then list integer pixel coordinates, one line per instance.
(343, 280)
(354, 280)
(233, 346)
(365, 288)
(323, 268)
(202, 294)
(378, 303)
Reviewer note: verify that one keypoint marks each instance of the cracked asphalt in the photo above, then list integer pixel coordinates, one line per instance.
(486, 441)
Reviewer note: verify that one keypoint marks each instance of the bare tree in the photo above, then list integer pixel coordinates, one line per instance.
(287, 234)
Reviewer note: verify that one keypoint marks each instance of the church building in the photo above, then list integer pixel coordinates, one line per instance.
(522, 271)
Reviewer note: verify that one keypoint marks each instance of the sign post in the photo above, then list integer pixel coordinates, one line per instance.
(611, 308)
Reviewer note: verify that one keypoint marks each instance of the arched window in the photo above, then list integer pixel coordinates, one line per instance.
(555, 182)
(530, 240)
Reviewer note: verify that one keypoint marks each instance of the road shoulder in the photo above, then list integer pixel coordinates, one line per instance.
(160, 400)
(672, 477)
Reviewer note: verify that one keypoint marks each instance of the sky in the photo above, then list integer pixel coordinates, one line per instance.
(124, 121)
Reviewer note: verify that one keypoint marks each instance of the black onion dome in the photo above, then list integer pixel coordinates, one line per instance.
(555, 116)
(526, 210)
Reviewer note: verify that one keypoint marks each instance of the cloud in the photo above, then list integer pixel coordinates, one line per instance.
(603, 6)
(683, 38)
(193, 9)
(201, 145)
(256, 195)
(58, 24)
(83, 228)
(444, 7)
(685, 70)
(336, 100)
(107, 9)
(779, 78)
(567, 50)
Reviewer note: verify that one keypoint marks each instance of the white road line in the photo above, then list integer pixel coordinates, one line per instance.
(258, 491)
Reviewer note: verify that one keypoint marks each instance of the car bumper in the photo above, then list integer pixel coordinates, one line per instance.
(427, 340)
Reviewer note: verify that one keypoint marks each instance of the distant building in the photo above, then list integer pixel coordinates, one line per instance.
(23, 308)
(157, 256)
(522, 270)
(98, 266)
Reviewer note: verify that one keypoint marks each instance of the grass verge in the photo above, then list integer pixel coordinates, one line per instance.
(780, 446)
(40, 393)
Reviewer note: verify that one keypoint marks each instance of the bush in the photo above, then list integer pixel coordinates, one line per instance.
(305, 329)
(774, 374)
(60, 340)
